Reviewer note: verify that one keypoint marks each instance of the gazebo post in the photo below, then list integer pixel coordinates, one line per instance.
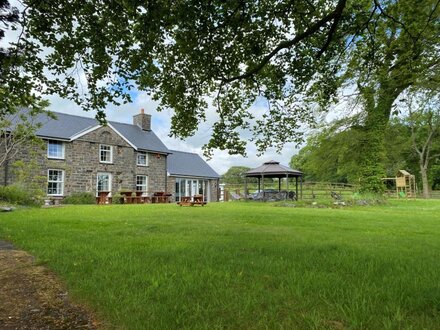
(259, 188)
(262, 179)
(279, 184)
(287, 185)
(301, 180)
(296, 179)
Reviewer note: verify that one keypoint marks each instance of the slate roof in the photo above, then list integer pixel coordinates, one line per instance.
(66, 127)
(189, 164)
(272, 169)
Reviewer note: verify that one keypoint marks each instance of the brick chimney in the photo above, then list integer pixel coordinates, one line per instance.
(142, 120)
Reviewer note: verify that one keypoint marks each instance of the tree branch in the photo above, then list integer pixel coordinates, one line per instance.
(376, 2)
(338, 11)
(334, 15)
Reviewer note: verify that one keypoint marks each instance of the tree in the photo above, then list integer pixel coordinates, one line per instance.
(17, 132)
(8, 15)
(424, 121)
(435, 176)
(235, 175)
(21, 71)
(328, 155)
(331, 153)
(397, 51)
(17, 127)
(295, 55)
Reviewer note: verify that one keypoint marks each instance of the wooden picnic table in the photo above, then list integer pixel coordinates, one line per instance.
(198, 200)
(161, 197)
(138, 199)
(188, 201)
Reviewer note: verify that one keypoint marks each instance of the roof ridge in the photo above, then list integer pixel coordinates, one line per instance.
(69, 114)
(185, 152)
(94, 118)
(118, 122)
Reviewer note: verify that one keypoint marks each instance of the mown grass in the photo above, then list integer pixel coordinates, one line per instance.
(243, 265)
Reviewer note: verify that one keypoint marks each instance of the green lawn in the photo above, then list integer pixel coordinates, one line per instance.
(243, 265)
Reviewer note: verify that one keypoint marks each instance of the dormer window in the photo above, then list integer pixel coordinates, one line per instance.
(55, 149)
(142, 159)
(105, 154)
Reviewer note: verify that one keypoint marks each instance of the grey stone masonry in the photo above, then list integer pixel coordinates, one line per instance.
(82, 164)
(142, 120)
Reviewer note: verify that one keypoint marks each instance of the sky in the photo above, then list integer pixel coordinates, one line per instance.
(161, 123)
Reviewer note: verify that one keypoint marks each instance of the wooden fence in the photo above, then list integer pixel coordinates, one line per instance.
(310, 190)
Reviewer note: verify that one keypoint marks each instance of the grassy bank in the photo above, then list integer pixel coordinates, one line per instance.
(243, 265)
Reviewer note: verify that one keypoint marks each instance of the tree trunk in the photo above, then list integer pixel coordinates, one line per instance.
(372, 156)
(373, 150)
(378, 103)
(425, 184)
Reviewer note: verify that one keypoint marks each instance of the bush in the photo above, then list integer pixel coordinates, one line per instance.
(80, 198)
(368, 199)
(117, 199)
(16, 195)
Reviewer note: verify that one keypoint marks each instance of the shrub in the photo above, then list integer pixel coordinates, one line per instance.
(117, 199)
(80, 198)
(368, 199)
(16, 195)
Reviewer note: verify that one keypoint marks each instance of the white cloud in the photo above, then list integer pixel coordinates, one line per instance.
(161, 122)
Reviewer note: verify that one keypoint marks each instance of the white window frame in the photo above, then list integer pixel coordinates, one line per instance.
(111, 154)
(145, 186)
(109, 182)
(192, 186)
(146, 158)
(62, 149)
(61, 182)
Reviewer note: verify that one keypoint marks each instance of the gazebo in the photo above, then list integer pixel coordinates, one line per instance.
(273, 169)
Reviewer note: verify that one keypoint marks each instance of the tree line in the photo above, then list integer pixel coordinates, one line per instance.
(411, 142)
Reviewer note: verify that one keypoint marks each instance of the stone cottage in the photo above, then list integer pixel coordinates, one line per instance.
(80, 155)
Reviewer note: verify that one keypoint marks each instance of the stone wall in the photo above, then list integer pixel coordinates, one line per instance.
(82, 164)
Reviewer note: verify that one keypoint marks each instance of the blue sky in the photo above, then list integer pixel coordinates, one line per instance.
(161, 122)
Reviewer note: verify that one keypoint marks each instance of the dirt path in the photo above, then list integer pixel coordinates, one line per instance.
(31, 297)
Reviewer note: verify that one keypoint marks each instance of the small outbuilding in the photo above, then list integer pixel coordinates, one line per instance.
(274, 169)
(405, 184)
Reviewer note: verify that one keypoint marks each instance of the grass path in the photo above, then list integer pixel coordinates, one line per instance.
(243, 265)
